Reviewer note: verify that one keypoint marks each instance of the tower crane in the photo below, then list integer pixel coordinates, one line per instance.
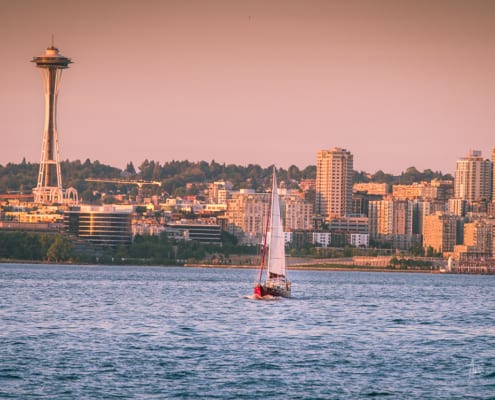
(139, 182)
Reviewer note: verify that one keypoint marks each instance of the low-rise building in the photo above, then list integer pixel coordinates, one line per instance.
(203, 233)
(360, 239)
(100, 225)
(322, 239)
(373, 188)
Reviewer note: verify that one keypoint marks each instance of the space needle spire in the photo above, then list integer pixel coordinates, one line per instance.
(49, 187)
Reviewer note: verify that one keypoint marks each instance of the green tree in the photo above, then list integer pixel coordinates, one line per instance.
(130, 168)
(60, 250)
(382, 177)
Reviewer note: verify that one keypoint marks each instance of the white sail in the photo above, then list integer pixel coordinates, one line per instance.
(276, 244)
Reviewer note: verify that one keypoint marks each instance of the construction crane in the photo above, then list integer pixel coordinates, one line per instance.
(138, 182)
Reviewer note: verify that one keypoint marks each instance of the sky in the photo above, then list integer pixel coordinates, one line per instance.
(398, 83)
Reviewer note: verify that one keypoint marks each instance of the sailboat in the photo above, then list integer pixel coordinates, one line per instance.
(273, 253)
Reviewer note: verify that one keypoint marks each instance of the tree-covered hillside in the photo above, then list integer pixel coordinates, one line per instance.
(183, 177)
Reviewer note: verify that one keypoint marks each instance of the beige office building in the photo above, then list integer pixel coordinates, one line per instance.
(334, 170)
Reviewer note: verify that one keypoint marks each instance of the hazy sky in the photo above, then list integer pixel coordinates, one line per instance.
(398, 83)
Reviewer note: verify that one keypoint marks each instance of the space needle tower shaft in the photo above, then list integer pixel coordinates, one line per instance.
(49, 187)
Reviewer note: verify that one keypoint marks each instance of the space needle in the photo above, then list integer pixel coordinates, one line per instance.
(49, 187)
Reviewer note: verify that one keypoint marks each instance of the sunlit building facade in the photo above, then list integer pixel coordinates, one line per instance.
(391, 217)
(473, 176)
(334, 171)
(100, 225)
(298, 213)
(479, 234)
(381, 189)
(246, 216)
(493, 174)
(440, 232)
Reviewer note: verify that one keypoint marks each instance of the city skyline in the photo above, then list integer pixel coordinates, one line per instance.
(398, 85)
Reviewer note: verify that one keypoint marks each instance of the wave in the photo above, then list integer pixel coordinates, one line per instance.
(267, 297)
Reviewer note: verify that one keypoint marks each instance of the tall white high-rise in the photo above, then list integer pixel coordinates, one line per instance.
(334, 170)
(472, 180)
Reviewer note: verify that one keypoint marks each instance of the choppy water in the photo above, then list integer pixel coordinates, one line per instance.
(84, 332)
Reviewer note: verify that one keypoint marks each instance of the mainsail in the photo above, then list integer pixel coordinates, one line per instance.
(276, 243)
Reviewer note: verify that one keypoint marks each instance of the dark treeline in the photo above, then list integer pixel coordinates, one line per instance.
(153, 250)
(160, 250)
(408, 177)
(31, 246)
(175, 175)
(184, 177)
(23, 177)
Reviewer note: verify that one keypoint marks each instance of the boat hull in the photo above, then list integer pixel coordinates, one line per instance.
(263, 290)
(278, 292)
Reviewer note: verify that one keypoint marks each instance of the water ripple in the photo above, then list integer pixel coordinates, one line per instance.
(134, 332)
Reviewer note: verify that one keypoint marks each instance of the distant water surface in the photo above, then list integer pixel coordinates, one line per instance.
(85, 332)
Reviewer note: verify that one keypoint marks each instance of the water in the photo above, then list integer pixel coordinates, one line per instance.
(86, 332)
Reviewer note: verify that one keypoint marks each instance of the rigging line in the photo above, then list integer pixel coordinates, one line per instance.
(263, 250)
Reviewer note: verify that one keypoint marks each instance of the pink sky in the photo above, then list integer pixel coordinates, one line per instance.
(398, 83)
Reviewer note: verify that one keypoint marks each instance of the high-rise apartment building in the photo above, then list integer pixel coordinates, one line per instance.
(393, 221)
(391, 217)
(457, 207)
(493, 174)
(246, 216)
(440, 232)
(479, 234)
(298, 213)
(334, 169)
(380, 218)
(422, 208)
(473, 177)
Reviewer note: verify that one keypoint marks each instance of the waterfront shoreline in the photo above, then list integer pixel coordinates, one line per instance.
(294, 267)
(313, 267)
